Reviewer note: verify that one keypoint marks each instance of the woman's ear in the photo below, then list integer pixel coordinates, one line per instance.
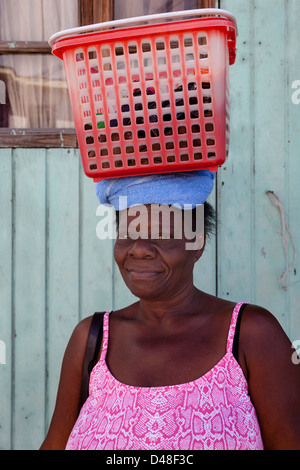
(197, 245)
(200, 245)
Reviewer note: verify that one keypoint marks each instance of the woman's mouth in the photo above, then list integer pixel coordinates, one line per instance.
(142, 274)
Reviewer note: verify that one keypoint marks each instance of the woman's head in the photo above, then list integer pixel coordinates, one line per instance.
(154, 252)
(157, 257)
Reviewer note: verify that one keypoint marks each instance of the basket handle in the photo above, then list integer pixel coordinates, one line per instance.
(140, 19)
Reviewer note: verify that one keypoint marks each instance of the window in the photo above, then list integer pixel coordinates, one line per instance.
(128, 9)
(35, 108)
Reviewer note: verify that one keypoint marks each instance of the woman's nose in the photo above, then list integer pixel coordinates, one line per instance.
(142, 248)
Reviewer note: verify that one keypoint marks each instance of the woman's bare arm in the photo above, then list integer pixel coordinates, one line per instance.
(274, 379)
(68, 395)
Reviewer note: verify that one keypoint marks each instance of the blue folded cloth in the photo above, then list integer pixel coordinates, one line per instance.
(183, 188)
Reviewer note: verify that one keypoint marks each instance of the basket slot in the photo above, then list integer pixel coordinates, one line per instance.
(122, 108)
(102, 110)
(184, 98)
(170, 45)
(85, 71)
(205, 95)
(135, 103)
(147, 97)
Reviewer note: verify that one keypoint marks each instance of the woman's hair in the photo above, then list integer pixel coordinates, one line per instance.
(210, 219)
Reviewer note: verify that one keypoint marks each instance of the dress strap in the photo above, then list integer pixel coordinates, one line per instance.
(232, 340)
(105, 336)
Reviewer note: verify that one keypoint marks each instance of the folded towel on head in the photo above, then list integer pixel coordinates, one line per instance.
(183, 188)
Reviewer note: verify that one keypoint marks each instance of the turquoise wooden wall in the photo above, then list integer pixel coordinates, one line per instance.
(54, 271)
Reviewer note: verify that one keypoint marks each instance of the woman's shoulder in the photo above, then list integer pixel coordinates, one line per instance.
(263, 339)
(258, 322)
(256, 319)
(76, 346)
(273, 377)
(260, 330)
(82, 328)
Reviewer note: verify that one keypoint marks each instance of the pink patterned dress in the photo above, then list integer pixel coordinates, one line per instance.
(211, 412)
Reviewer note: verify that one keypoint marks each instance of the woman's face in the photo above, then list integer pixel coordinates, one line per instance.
(151, 253)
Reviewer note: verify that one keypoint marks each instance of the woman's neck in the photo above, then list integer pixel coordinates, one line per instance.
(187, 300)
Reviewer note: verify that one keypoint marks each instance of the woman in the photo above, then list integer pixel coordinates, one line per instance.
(178, 369)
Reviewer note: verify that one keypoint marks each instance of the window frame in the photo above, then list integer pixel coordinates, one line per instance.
(89, 12)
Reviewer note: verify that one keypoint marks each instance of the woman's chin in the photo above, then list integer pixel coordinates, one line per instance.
(146, 289)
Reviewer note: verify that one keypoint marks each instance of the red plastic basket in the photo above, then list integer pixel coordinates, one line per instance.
(151, 98)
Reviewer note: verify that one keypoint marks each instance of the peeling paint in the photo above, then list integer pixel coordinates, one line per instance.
(62, 139)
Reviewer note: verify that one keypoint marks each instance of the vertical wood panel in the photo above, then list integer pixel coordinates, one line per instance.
(293, 161)
(5, 295)
(29, 299)
(95, 11)
(96, 257)
(205, 268)
(62, 261)
(79, 264)
(270, 106)
(206, 4)
(106, 13)
(262, 156)
(235, 178)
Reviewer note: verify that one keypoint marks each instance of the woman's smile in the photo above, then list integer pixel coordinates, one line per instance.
(142, 270)
(137, 274)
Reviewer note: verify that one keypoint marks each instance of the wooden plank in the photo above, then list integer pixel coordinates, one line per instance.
(6, 216)
(85, 12)
(79, 264)
(29, 300)
(93, 11)
(235, 178)
(206, 4)
(96, 255)
(24, 47)
(62, 261)
(107, 10)
(270, 111)
(292, 156)
(38, 138)
(103, 11)
(258, 152)
(205, 269)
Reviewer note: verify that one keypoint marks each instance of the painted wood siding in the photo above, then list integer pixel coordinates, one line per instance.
(55, 271)
(264, 155)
